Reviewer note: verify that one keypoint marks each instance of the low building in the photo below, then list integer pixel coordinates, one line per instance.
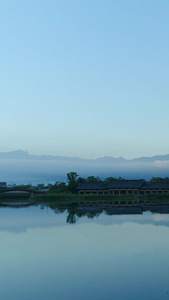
(159, 187)
(91, 188)
(124, 187)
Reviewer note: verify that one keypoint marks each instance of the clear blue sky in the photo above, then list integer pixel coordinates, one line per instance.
(84, 78)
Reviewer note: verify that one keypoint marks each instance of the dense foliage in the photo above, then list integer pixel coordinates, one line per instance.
(73, 180)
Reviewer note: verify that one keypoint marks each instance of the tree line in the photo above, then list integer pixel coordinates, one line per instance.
(73, 180)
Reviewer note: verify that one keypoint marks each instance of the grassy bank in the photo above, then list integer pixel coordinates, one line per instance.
(71, 199)
(14, 197)
(68, 198)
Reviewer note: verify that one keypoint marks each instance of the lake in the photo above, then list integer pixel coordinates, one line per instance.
(48, 254)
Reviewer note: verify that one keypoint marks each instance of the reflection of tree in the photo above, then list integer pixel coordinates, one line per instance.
(71, 218)
(91, 214)
(76, 212)
(108, 213)
(80, 214)
(57, 209)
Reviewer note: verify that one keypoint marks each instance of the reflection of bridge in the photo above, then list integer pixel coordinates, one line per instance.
(17, 204)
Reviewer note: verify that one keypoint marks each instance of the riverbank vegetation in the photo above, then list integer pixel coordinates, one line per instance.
(67, 199)
(64, 193)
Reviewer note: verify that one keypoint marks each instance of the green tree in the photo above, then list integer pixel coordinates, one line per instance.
(58, 187)
(72, 181)
(155, 179)
(62, 187)
(109, 179)
(41, 186)
(81, 180)
(3, 184)
(93, 179)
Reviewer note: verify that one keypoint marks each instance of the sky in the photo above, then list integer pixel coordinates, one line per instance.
(84, 78)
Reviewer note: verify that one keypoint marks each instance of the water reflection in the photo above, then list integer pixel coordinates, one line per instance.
(20, 219)
(153, 215)
(71, 254)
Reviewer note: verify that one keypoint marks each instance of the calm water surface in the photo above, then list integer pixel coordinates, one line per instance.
(105, 257)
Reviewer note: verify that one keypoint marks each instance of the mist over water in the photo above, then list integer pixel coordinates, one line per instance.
(46, 171)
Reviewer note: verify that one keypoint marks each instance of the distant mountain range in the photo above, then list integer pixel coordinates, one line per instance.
(21, 167)
(24, 155)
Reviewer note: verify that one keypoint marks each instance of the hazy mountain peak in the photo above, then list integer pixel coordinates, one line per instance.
(20, 154)
(110, 159)
(16, 154)
(21, 167)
